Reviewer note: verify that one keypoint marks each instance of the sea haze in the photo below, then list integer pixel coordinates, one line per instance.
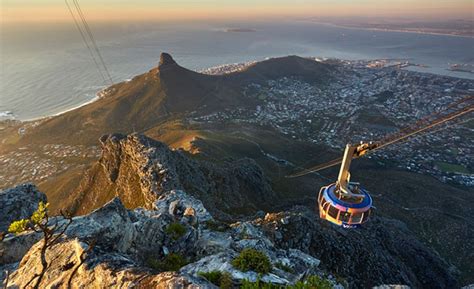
(46, 69)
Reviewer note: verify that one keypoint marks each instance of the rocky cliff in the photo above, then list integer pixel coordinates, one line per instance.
(121, 248)
(139, 169)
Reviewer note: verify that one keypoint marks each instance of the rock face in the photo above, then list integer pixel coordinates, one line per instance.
(381, 252)
(166, 59)
(18, 203)
(125, 241)
(100, 270)
(139, 170)
(121, 248)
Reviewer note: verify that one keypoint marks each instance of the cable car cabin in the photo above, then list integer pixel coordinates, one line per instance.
(345, 203)
(348, 212)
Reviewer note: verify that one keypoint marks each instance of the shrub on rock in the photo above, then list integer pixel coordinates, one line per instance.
(218, 278)
(172, 262)
(176, 230)
(252, 260)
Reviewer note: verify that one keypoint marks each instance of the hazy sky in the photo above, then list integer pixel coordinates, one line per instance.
(54, 10)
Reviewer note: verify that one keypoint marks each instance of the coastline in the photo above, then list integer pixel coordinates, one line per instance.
(64, 111)
(214, 70)
(388, 29)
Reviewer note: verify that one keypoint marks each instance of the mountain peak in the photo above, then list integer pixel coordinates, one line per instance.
(165, 60)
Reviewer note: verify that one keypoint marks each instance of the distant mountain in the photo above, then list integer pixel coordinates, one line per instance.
(163, 93)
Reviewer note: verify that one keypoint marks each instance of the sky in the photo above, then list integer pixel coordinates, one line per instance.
(109, 10)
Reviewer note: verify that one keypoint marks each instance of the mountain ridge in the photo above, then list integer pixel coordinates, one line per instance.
(161, 94)
(139, 169)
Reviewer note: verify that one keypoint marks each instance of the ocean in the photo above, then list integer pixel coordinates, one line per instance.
(45, 69)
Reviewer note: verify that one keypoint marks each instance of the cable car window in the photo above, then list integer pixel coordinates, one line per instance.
(345, 216)
(356, 218)
(323, 202)
(326, 207)
(332, 211)
(366, 216)
(320, 196)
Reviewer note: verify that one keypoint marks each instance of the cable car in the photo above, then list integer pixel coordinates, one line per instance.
(346, 203)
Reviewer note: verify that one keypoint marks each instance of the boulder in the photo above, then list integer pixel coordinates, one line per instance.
(110, 226)
(18, 203)
(222, 262)
(97, 270)
(179, 204)
(13, 248)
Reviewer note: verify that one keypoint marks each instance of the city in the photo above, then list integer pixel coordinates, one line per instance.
(368, 100)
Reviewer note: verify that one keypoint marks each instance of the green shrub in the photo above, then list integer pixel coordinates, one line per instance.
(172, 262)
(259, 285)
(312, 282)
(218, 278)
(213, 276)
(226, 281)
(284, 267)
(176, 230)
(18, 227)
(252, 260)
(37, 218)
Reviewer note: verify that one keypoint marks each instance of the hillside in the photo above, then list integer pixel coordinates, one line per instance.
(162, 94)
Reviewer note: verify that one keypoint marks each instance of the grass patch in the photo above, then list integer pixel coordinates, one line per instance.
(252, 260)
(371, 115)
(451, 168)
(218, 278)
(175, 230)
(313, 282)
(172, 262)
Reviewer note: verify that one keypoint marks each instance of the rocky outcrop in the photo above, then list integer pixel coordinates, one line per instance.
(100, 270)
(383, 251)
(139, 170)
(165, 60)
(113, 246)
(18, 203)
(117, 247)
(180, 204)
